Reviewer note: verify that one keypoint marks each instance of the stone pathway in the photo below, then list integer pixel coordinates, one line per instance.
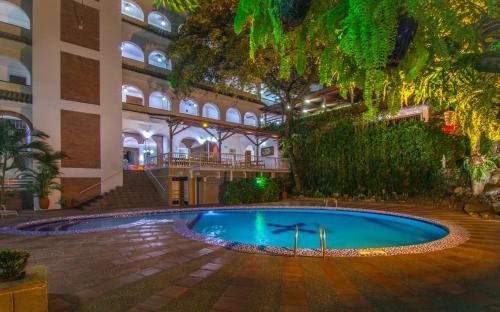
(152, 268)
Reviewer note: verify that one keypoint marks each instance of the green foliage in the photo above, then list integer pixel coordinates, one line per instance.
(340, 153)
(178, 5)
(247, 191)
(13, 264)
(351, 41)
(16, 153)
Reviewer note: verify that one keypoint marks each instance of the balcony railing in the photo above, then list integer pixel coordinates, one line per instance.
(221, 161)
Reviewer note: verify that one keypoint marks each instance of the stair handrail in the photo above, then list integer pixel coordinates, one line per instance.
(156, 181)
(100, 181)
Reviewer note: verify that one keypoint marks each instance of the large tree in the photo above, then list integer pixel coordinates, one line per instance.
(399, 52)
(208, 51)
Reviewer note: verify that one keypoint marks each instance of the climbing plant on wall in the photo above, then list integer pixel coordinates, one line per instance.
(341, 153)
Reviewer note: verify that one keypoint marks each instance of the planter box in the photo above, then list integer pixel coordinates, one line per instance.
(26, 295)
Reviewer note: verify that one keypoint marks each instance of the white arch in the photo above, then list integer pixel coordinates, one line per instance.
(157, 58)
(132, 9)
(132, 51)
(250, 119)
(129, 141)
(12, 70)
(159, 20)
(130, 93)
(211, 111)
(188, 106)
(180, 28)
(233, 115)
(160, 100)
(13, 15)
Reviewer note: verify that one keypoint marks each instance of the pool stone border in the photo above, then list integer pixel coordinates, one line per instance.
(456, 234)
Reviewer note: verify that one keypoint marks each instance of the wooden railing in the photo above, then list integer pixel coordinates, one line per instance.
(211, 160)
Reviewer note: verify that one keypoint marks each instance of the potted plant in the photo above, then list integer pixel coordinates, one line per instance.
(68, 202)
(13, 264)
(42, 183)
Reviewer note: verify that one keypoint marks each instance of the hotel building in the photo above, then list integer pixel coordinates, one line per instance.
(93, 76)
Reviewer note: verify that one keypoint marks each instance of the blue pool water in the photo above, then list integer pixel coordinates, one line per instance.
(276, 227)
(344, 229)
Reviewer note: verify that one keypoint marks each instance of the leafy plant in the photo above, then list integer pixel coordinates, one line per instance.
(42, 181)
(13, 264)
(479, 167)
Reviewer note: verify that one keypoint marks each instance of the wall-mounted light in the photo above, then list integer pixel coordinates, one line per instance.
(204, 125)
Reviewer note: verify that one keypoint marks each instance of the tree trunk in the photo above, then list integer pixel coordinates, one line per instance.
(291, 151)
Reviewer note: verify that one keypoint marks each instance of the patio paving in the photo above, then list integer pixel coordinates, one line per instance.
(152, 268)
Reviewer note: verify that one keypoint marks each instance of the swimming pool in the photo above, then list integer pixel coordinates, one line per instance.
(272, 230)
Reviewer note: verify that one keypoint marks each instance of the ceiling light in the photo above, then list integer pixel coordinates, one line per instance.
(147, 134)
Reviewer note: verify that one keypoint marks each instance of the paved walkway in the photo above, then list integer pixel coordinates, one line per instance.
(152, 268)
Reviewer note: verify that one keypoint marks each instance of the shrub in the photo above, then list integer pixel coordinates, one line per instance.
(13, 264)
(246, 191)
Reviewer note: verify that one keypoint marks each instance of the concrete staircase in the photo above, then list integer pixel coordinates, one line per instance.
(137, 192)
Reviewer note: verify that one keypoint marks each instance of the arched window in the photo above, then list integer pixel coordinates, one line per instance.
(250, 119)
(11, 70)
(132, 95)
(211, 110)
(158, 59)
(132, 51)
(132, 9)
(179, 29)
(233, 115)
(13, 15)
(159, 20)
(189, 107)
(159, 100)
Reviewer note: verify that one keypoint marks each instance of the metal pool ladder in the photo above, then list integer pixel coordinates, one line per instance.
(296, 243)
(322, 240)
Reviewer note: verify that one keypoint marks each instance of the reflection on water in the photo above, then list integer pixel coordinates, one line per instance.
(290, 228)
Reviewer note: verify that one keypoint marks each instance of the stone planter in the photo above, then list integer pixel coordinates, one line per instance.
(26, 295)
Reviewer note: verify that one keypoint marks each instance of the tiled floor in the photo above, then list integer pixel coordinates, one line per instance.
(152, 268)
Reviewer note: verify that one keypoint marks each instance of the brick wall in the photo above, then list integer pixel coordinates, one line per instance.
(80, 80)
(71, 14)
(72, 188)
(80, 139)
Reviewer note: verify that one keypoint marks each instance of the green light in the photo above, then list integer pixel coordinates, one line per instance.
(261, 182)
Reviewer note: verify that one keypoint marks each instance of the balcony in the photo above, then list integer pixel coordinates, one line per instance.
(15, 92)
(224, 161)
